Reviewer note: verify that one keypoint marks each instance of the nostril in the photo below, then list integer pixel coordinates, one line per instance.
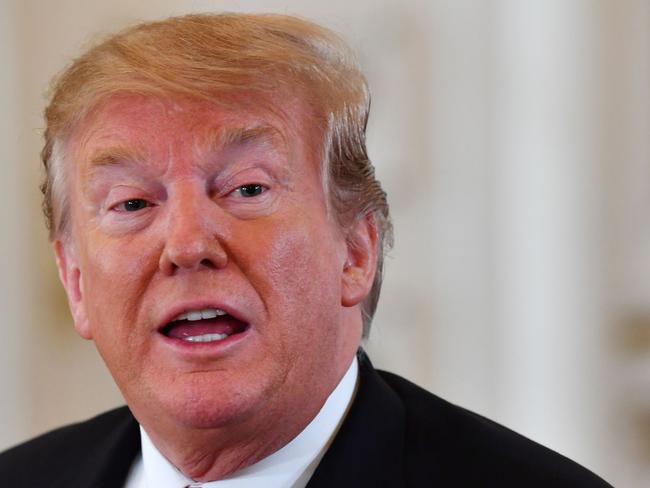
(208, 263)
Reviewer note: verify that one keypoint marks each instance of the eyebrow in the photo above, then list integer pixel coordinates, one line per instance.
(243, 136)
(116, 156)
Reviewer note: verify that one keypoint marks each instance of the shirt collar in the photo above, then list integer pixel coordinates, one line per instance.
(290, 466)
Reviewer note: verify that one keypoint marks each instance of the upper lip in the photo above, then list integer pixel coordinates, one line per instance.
(184, 307)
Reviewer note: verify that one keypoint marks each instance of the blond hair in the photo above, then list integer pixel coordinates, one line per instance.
(209, 55)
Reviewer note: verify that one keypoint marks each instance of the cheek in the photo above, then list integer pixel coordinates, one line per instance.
(114, 278)
(300, 278)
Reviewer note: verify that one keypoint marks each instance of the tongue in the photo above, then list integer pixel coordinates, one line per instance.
(184, 328)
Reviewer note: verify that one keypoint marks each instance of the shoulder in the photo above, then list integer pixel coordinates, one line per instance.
(76, 448)
(447, 442)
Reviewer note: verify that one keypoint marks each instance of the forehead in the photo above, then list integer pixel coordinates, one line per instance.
(136, 125)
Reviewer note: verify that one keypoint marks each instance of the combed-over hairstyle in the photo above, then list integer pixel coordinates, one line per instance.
(208, 56)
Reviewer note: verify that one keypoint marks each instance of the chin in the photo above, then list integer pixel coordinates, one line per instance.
(208, 404)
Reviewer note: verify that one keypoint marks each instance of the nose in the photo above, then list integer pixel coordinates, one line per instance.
(193, 234)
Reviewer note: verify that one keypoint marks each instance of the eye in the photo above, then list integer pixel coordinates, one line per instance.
(250, 190)
(132, 205)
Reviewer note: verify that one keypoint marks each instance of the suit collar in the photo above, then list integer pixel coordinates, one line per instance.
(110, 458)
(371, 436)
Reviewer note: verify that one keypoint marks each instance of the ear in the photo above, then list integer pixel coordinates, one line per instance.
(361, 264)
(70, 275)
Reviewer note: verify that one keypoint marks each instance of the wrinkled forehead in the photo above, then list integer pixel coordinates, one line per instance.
(131, 124)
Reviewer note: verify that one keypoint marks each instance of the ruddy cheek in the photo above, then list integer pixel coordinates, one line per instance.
(300, 274)
(290, 254)
(118, 278)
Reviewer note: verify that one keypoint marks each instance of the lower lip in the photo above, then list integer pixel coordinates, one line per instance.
(212, 348)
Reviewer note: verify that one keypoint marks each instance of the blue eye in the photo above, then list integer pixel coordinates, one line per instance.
(251, 190)
(134, 205)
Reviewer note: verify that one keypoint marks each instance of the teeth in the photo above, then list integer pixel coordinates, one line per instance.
(209, 313)
(193, 315)
(205, 338)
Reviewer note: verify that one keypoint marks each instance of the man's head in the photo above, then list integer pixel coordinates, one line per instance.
(214, 168)
(211, 56)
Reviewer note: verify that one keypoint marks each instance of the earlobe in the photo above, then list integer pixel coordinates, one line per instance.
(361, 263)
(70, 276)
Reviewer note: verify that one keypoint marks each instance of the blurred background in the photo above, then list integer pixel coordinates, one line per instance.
(512, 137)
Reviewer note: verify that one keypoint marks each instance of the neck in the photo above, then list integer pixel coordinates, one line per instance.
(212, 454)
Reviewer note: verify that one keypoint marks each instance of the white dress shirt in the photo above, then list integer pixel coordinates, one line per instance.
(290, 467)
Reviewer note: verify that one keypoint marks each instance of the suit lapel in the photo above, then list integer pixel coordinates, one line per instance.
(109, 458)
(368, 450)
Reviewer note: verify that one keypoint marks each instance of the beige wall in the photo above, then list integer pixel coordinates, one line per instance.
(512, 139)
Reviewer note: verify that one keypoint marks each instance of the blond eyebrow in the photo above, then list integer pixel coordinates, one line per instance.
(242, 136)
(115, 156)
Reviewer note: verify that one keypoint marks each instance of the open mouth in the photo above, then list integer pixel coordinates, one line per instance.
(204, 325)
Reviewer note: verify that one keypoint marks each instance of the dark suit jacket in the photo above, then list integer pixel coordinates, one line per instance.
(395, 435)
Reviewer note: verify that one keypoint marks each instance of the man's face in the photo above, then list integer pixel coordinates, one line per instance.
(183, 210)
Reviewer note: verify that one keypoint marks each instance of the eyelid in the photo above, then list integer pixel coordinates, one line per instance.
(120, 192)
(228, 184)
